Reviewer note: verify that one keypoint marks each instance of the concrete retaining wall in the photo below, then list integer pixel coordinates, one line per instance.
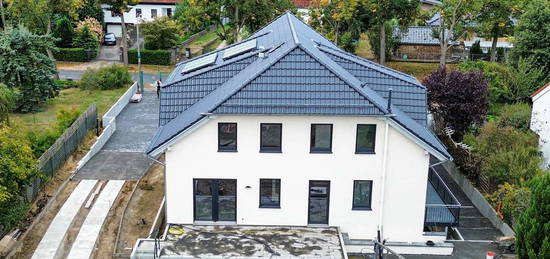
(478, 200)
(119, 105)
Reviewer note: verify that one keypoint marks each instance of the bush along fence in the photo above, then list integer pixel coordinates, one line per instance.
(63, 147)
(74, 54)
(151, 57)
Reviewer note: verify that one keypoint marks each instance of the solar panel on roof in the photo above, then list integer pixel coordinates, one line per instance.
(238, 49)
(200, 63)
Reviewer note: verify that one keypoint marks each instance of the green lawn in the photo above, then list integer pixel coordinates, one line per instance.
(72, 98)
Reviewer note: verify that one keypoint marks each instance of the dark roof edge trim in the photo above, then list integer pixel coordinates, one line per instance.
(441, 155)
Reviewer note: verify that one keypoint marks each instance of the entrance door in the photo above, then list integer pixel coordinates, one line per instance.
(319, 194)
(215, 199)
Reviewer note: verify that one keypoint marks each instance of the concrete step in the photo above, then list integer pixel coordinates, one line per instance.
(475, 222)
(85, 241)
(489, 233)
(49, 246)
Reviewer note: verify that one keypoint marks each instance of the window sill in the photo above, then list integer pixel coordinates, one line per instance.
(270, 151)
(363, 209)
(270, 207)
(365, 152)
(227, 151)
(319, 152)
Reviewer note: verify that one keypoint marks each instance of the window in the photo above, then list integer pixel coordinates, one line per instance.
(169, 12)
(321, 138)
(227, 137)
(270, 137)
(153, 13)
(366, 136)
(362, 192)
(270, 193)
(138, 12)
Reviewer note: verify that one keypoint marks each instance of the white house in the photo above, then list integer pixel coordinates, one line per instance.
(146, 9)
(540, 120)
(286, 129)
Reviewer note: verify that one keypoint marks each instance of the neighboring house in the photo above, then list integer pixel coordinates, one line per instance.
(419, 43)
(286, 129)
(146, 9)
(487, 44)
(429, 4)
(302, 7)
(540, 121)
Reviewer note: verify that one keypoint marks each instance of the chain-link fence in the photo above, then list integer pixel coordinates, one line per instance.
(63, 147)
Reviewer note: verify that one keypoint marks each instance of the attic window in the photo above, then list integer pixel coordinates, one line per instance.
(200, 63)
(240, 48)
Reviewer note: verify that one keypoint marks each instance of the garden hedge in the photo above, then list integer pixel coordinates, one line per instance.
(150, 57)
(72, 54)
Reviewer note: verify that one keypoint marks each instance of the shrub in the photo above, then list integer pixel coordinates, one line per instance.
(63, 30)
(508, 155)
(105, 78)
(161, 33)
(496, 74)
(87, 40)
(511, 199)
(65, 119)
(475, 51)
(41, 140)
(151, 57)
(525, 79)
(72, 54)
(457, 99)
(66, 84)
(533, 228)
(517, 116)
(7, 103)
(93, 25)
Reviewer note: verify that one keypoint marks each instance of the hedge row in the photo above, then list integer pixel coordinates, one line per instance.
(150, 57)
(73, 54)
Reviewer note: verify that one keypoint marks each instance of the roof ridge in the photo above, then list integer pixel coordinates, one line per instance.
(291, 24)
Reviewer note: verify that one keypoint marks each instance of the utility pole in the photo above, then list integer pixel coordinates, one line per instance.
(140, 73)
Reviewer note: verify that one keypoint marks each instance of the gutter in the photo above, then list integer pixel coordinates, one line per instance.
(383, 180)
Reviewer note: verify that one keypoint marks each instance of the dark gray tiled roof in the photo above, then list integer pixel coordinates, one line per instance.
(302, 73)
(417, 35)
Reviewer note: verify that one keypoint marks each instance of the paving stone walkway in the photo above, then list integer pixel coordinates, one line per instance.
(122, 157)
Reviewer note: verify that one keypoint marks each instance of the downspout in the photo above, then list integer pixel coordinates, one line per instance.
(383, 180)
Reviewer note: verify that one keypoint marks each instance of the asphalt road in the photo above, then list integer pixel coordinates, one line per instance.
(77, 74)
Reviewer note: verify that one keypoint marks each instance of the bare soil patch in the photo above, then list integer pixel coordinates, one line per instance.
(138, 218)
(32, 236)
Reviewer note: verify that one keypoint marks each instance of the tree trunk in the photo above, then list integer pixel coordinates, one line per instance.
(382, 51)
(237, 23)
(494, 49)
(48, 51)
(442, 47)
(124, 41)
(2, 14)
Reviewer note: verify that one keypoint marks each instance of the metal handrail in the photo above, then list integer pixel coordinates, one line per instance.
(444, 185)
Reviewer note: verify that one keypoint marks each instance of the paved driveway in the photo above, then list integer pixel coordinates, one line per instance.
(122, 157)
(110, 53)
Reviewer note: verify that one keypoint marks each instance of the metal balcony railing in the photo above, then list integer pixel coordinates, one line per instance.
(446, 212)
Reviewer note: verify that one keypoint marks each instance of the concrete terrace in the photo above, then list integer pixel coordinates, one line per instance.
(123, 157)
(250, 242)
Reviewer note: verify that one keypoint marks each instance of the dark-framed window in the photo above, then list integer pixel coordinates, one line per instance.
(362, 195)
(138, 12)
(227, 137)
(270, 193)
(153, 13)
(270, 137)
(169, 12)
(321, 138)
(365, 138)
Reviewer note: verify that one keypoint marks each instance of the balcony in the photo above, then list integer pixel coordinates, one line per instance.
(442, 207)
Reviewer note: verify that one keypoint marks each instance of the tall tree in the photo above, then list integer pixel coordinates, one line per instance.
(2, 14)
(341, 21)
(161, 33)
(64, 32)
(532, 35)
(455, 17)
(533, 227)
(91, 9)
(496, 19)
(25, 67)
(120, 7)
(381, 12)
(7, 103)
(231, 17)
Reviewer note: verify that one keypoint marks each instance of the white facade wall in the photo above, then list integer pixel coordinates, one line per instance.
(540, 122)
(113, 22)
(196, 156)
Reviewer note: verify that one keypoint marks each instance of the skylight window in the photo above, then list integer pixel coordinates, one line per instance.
(200, 63)
(239, 49)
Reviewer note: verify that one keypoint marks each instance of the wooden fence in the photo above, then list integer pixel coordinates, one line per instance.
(63, 147)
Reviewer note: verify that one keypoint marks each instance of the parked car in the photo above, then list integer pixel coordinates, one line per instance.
(109, 39)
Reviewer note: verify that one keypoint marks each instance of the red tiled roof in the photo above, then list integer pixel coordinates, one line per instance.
(302, 3)
(540, 90)
(159, 1)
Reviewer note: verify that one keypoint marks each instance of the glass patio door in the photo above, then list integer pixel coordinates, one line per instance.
(319, 195)
(215, 199)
